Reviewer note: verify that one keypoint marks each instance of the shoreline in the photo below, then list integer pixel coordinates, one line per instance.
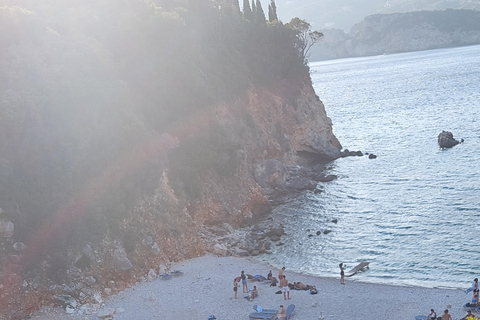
(206, 288)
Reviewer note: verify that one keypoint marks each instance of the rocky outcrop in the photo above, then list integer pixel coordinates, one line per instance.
(446, 140)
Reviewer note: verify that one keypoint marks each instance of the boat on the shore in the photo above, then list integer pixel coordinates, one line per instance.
(360, 267)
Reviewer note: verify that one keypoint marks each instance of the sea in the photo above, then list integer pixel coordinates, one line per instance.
(413, 212)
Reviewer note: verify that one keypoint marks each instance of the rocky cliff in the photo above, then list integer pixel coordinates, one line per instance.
(140, 133)
(285, 139)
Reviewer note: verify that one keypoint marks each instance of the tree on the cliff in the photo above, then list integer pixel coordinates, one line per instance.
(259, 14)
(272, 11)
(236, 5)
(247, 11)
(306, 38)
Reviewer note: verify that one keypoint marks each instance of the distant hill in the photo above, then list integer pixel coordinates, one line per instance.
(401, 32)
(343, 14)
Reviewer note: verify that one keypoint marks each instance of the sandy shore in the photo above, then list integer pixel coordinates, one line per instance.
(206, 288)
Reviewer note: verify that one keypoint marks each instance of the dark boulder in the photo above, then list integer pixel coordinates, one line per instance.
(446, 140)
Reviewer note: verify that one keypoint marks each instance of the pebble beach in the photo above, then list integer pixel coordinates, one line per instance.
(205, 288)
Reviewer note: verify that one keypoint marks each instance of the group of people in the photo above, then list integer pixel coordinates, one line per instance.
(475, 303)
(252, 293)
(282, 282)
(285, 287)
(469, 316)
(474, 287)
(446, 316)
(243, 279)
(433, 315)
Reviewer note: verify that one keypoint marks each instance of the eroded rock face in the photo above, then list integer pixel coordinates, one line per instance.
(446, 140)
(282, 149)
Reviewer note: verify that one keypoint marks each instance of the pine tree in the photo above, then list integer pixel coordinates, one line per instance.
(259, 14)
(247, 11)
(236, 5)
(272, 11)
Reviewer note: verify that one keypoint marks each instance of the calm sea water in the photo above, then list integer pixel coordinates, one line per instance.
(414, 212)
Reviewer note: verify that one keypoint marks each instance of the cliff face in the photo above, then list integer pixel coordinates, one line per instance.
(402, 32)
(274, 127)
(286, 125)
(134, 135)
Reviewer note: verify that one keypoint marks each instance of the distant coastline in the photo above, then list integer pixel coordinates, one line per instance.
(400, 32)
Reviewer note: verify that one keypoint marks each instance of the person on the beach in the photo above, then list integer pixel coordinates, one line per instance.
(269, 275)
(280, 273)
(273, 281)
(468, 316)
(244, 281)
(300, 286)
(235, 288)
(254, 292)
(432, 315)
(475, 292)
(446, 315)
(285, 289)
(342, 273)
(282, 314)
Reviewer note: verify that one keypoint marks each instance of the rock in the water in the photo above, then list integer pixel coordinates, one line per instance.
(446, 140)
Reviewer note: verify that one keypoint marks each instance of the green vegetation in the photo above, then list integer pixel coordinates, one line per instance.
(88, 88)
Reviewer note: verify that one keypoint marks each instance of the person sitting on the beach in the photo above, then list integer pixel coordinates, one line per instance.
(254, 292)
(475, 297)
(469, 316)
(282, 314)
(432, 315)
(269, 275)
(273, 281)
(446, 315)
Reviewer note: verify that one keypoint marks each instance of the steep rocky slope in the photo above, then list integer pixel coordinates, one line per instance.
(285, 139)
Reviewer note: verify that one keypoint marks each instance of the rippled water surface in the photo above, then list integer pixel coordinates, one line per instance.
(414, 212)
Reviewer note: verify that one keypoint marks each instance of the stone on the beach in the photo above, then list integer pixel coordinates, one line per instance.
(19, 246)
(151, 275)
(255, 252)
(147, 241)
(220, 250)
(106, 313)
(155, 249)
(69, 309)
(120, 260)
